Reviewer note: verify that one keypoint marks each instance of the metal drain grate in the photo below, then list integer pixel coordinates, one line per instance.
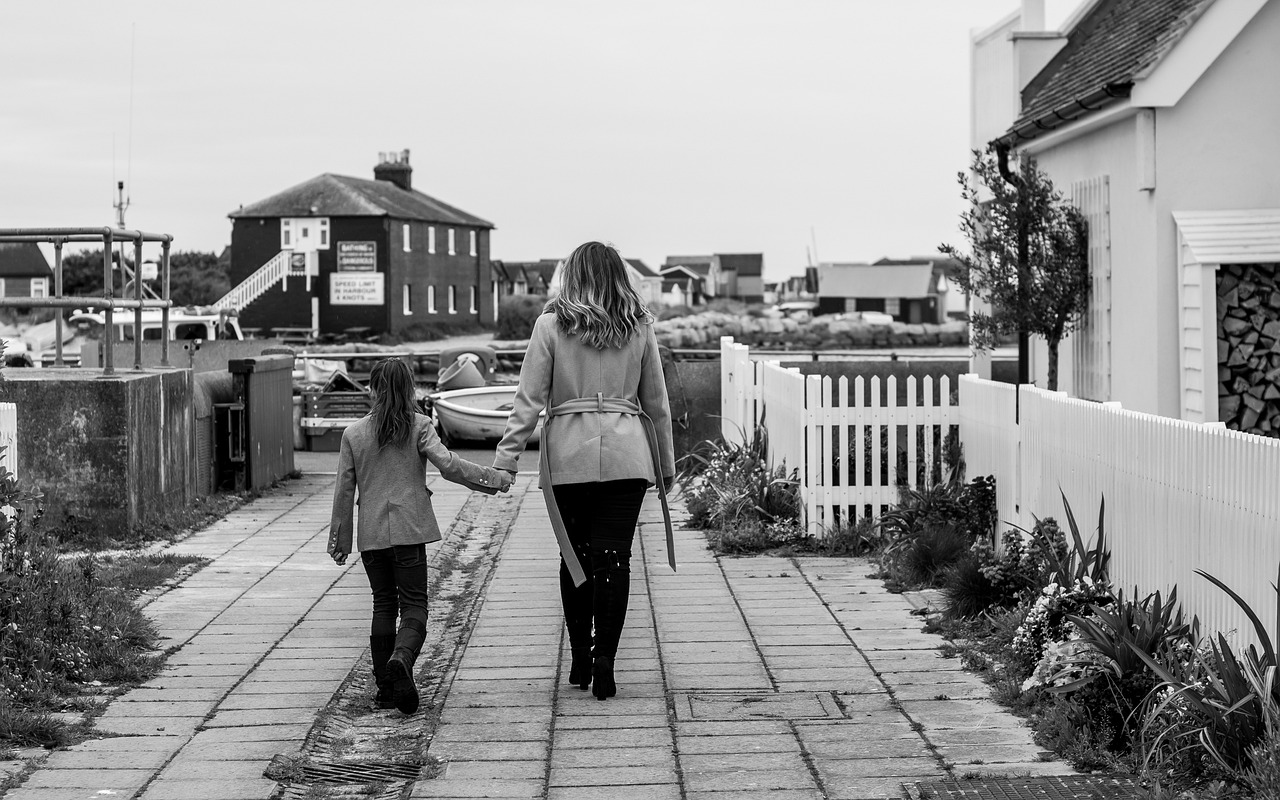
(337, 772)
(756, 705)
(1065, 787)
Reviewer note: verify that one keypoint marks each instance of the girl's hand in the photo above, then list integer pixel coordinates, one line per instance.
(505, 480)
(338, 556)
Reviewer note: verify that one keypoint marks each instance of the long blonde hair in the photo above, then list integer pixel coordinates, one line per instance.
(597, 301)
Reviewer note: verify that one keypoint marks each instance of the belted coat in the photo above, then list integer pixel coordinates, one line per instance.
(596, 446)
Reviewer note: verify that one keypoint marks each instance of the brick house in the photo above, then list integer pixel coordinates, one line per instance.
(335, 253)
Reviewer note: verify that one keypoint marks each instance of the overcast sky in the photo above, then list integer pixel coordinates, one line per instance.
(665, 127)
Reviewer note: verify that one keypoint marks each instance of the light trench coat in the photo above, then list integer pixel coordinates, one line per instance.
(596, 446)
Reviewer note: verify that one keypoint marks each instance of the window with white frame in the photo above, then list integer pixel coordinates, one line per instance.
(324, 234)
(452, 249)
(473, 299)
(404, 235)
(39, 287)
(286, 233)
(431, 299)
(473, 243)
(431, 239)
(408, 301)
(453, 298)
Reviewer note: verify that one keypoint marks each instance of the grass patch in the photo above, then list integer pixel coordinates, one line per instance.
(74, 534)
(140, 573)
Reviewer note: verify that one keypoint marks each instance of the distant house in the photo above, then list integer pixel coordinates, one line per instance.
(24, 271)
(909, 291)
(744, 272)
(336, 252)
(1159, 120)
(739, 276)
(705, 268)
(682, 286)
(647, 282)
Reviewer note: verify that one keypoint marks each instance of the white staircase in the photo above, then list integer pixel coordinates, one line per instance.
(254, 286)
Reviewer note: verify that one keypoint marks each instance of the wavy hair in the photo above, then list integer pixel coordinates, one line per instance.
(597, 301)
(393, 400)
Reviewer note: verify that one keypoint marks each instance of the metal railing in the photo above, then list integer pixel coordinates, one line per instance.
(108, 302)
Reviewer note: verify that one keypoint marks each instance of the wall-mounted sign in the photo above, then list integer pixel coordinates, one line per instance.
(357, 256)
(357, 288)
(297, 263)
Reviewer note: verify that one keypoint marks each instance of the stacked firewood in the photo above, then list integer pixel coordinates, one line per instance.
(1249, 347)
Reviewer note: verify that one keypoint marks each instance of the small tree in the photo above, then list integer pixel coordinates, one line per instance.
(1029, 258)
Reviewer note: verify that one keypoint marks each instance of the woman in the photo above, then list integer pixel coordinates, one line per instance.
(384, 455)
(593, 364)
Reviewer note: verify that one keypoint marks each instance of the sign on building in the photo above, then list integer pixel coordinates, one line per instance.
(357, 289)
(357, 256)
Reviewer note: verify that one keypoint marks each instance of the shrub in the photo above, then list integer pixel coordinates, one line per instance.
(968, 591)
(754, 536)
(728, 484)
(932, 529)
(516, 315)
(1215, 707)
(1103, 674)
(1262, 778)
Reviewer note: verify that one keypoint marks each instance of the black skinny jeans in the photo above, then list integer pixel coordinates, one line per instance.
(398, 578)
(600, 519)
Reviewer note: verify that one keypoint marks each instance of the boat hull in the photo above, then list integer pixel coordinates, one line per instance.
(478, 414)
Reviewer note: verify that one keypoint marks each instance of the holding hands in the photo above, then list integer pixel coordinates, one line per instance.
(505, 479)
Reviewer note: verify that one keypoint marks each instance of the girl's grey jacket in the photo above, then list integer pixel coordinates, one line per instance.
(596, 446)
(395, 503)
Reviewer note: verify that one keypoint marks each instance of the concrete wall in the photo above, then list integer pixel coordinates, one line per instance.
(211, 356)
(114, 452)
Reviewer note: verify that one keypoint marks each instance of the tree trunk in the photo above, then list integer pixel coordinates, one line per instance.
(1053, 365)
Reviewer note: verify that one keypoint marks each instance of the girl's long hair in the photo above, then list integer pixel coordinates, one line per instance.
(597, 301)
(393, 400)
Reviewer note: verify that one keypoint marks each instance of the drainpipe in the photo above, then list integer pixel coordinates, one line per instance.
(1024, 339)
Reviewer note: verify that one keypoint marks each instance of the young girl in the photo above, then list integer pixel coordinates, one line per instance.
(593, 364)
(384, 455)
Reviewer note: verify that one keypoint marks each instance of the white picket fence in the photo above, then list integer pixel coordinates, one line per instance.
(841, 437)
(9, 436)
(1180, 496)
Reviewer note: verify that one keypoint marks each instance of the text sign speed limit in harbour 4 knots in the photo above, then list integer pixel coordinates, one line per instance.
(357, 288)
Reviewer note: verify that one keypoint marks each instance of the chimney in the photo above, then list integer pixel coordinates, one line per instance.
(1032, 15)
(394, 167)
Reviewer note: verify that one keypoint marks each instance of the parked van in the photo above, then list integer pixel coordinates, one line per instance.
(190, 322)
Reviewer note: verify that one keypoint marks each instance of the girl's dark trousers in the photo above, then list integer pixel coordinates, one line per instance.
(398, 578)
(600, 518)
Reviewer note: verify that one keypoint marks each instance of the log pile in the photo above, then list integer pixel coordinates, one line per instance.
(1249, 347)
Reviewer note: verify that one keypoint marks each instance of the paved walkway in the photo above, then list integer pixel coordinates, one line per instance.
(753, 677)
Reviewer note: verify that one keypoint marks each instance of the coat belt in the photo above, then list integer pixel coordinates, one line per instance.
(598, 405)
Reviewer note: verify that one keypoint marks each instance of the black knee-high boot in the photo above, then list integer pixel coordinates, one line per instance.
(612, 590)
(380, 650)
(400, 665)
(577, 602)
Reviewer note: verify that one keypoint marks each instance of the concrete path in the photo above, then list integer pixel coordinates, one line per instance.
(753, 677)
